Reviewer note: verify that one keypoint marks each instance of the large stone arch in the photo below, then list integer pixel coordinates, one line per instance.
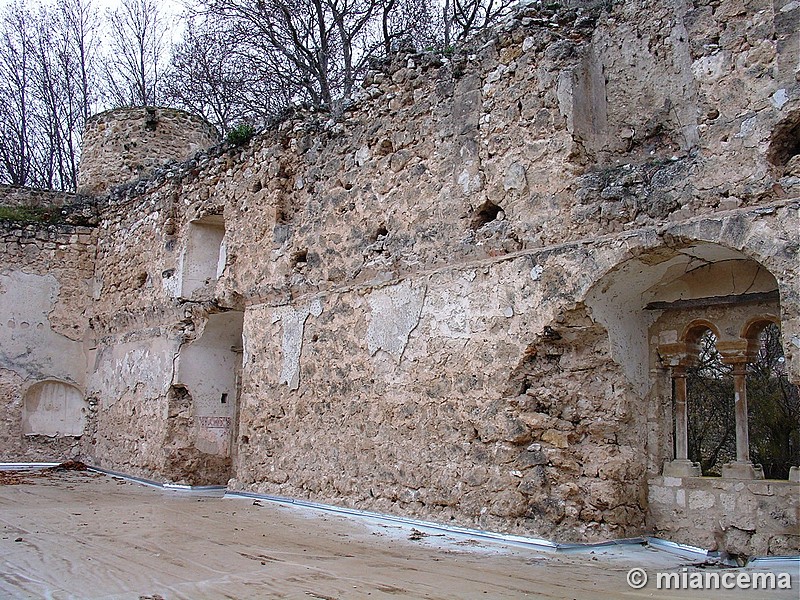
(731, 276)
(631, 276)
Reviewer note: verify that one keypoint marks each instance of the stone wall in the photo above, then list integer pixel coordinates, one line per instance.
(443, 293)
(123, 145)
(738, 517)
(45, 286)
(14, 195)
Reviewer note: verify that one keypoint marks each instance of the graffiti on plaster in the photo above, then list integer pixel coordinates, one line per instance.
(395, 314)
(293, 320)
(143, 365)
(214, 422)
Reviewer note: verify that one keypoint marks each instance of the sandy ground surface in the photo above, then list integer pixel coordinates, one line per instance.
(90, 536)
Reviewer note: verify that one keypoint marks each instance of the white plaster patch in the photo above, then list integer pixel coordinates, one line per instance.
(28, 345)
(450, 315)
(172, 284)
(395, 314)
(710, 68)
(315, 308)
(143, 365)
(293, 320)
(747, 128)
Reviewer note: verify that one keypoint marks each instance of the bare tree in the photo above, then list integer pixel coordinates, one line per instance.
(712, 426)
(316, 49)
(16, 70)
(407, 24)
(463, 17)
(773, 408)
(137, 52)
(45, 60)
(225, 87)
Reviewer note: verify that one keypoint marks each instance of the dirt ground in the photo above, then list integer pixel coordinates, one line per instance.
(89, 536)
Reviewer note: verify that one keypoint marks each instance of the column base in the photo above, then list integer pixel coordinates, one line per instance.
(794, 474)
(742, 470)
(681, 468)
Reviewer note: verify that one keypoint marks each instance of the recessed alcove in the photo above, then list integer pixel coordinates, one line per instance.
(54, 408)
(204, 257)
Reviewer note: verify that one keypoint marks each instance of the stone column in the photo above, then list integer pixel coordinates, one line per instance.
(740, 404)
(681, 466)
(681, 417)
(742, 468)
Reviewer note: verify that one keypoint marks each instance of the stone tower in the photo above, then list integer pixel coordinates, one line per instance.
(124, 144)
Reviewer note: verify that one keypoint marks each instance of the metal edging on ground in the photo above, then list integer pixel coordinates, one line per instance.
(772, 561)
(217, 490)
(678, 549)
(491, 536)
(27, 466)
(684, 550)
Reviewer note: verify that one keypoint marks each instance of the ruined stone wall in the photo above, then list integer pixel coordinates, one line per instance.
(123, 145)
(443, 290)
(45, 289)
(739, 517)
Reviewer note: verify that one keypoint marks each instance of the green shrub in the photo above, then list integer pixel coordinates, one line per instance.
(240, 134)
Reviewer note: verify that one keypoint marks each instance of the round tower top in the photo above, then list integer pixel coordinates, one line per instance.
(124, 144)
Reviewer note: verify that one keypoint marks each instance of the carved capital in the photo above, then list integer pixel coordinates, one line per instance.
(678, 354)
(734, 351)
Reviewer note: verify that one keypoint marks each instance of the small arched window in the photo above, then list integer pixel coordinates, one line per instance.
(710, 406)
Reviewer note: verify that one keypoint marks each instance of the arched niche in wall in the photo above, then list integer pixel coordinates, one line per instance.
(650, 305)
(204, 257)
(54, 408)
